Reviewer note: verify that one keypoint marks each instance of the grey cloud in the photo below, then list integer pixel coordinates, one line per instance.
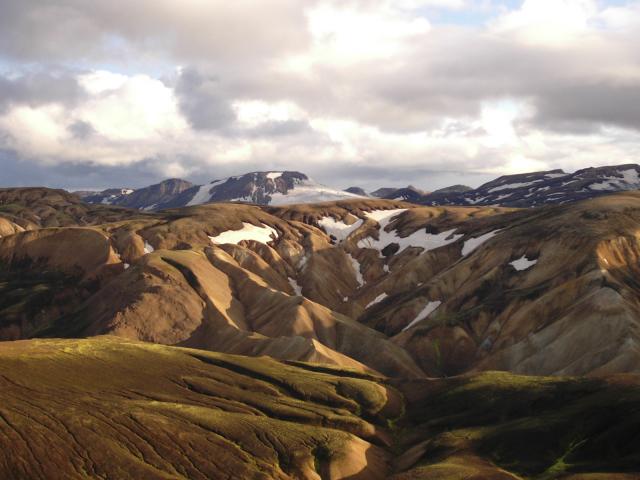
(451, 71)
(203, 102)
(81, 130)
(35, 88)
(242, 30)
(280, 128)
(579, 107)
(18, 171)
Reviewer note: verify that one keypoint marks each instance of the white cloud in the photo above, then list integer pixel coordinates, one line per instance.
(549, 22)
(344, 34)
(130, 108)
(252, 113)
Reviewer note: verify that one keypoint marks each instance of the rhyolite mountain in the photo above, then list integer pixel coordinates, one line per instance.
(378, 327)
(377, 285)
(263, 188)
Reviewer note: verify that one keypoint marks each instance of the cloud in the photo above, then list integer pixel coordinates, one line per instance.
(203, 101)
(39, 87)
(549, 22)
(206, 88)
(189, 30)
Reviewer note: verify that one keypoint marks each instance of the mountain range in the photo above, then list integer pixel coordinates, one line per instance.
(358, 338)
(263, 188)
(281, 188)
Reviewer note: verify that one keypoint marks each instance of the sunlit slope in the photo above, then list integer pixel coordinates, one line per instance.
(377, 285)
(109, 408)
(106, 407)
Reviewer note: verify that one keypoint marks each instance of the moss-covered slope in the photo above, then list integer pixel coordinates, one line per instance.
(503, 426)
(109, 408)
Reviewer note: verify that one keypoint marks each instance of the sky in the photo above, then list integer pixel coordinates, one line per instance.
(352, 92)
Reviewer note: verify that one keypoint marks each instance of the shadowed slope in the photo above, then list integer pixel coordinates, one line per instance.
(504, 427)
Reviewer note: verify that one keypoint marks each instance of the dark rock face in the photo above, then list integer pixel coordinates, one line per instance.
(357, 191)
(409, 193)
(454, 189)
(542, 188)
(384, 192)
(142, 198)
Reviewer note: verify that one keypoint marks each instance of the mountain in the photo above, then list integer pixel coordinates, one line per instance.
(143, 198)
(263, 188)
(31, 208)
(390, 339)
(542, 188)
(110, 196)
(377, 285)
(409, 193)
(124, 409)
(356, 191)
(454, 189)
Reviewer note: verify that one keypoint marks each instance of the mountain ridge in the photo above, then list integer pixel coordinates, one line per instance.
(523, 190)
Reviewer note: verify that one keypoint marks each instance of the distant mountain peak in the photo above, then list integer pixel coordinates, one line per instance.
(261, 187)
(543, 188)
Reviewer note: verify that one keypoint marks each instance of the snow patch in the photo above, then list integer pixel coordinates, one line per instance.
(473, 243)
(523, 263)
(274, 175)
(356, 267)
(203, 195)
(629, 181)
(302, 264)
(420, 239)
(338, 229)
(378, 299)
(264, 234)
(307, 191)
(510, 186)
(296, 287)
(383, 217)
(426, 311)
(148, 248)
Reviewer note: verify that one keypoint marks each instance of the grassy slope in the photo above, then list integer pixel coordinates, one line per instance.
(499, 425)
(106, 407)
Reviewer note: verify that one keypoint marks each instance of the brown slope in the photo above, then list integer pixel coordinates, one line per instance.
(205, 299)
(110, 408)
(570, 313)
(37, 207)
(106, 407)
(178, 296)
